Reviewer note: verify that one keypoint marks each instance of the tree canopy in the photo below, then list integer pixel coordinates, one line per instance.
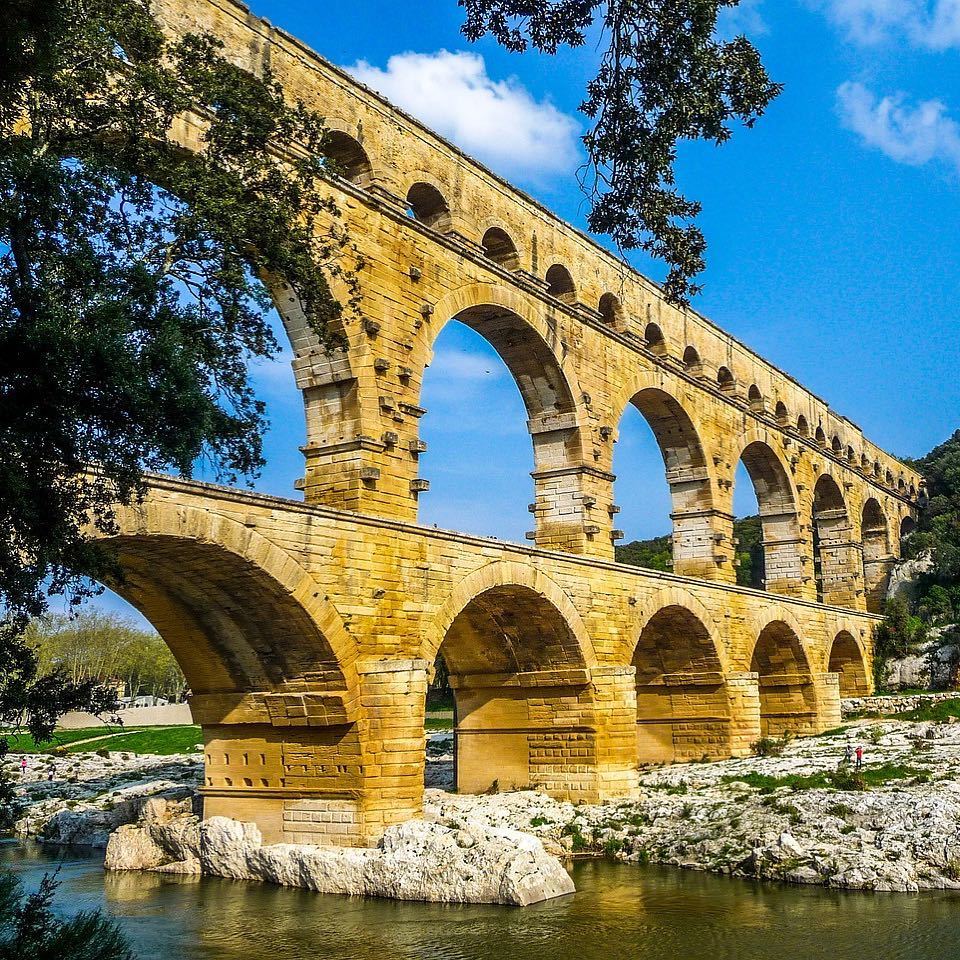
(665, 77)
(134, 280)
(30, 930)
(106, 648)
(938, 534)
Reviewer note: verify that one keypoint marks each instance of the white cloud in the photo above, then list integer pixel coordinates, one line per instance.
(460, 365)
(497, 121)
(274, 372)
(907, 133)
(743, 19)
(933, 24)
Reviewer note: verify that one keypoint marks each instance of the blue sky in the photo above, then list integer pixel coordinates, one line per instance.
(834, 227)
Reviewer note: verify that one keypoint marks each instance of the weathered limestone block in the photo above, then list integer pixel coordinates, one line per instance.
(414, 861)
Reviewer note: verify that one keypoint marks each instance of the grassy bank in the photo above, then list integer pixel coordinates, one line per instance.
(158, 740)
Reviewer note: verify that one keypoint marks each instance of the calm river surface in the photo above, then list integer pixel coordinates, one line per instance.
(619, 911)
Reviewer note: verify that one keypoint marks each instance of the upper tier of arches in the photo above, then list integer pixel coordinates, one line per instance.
(387, 157)
(715, 362)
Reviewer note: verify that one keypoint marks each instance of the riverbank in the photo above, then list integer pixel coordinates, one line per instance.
(789, 817)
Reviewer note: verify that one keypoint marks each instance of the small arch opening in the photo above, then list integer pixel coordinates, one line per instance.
(726, 380)
(691, 361)
(782, 414)
(427, 205)
(755, 399)
(656, 343)
(837, 445)
(347, 158)
(500, 248)
(820, 437)
(611, 310)
(803, 428)
(560, 284)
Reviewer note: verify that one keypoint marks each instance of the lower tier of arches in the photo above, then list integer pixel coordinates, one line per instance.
(309, 639)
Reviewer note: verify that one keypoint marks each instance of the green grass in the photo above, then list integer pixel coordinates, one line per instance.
(156, 740)
(24, 743)
(937, 712)
(871, 776)
(835, 732)
(438, 723)
(159, 740)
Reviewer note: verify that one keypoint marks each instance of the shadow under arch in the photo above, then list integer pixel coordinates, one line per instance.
(687, 468)
(847, 659)
(788, 695)
(238, 612)
(684, 708)
(519, 662)
(779, 514)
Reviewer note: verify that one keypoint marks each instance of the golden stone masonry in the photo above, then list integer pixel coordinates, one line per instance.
(308, 631)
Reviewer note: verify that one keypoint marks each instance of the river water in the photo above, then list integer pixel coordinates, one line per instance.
(618, 911)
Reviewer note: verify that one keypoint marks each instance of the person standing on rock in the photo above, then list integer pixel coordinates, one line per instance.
(23, 766)
(847, 755)
(859, 756)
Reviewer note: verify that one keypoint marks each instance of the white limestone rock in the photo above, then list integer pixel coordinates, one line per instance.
(473, 864)
(904, 575)
(414, 861)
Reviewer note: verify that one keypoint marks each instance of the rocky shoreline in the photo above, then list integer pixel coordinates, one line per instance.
(790, 817)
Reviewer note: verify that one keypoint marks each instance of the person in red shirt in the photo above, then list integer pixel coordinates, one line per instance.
(859, 756)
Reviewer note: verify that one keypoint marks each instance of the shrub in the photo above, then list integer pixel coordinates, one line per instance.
(771, 746)
(846, 779)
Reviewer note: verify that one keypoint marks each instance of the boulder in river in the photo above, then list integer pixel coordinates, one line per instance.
(416, 860)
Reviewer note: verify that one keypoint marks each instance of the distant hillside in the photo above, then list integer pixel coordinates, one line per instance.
(656, 554)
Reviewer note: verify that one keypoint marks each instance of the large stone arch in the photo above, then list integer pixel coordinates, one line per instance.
(837, 562)
(877, 553)
(519, 665)
(216, 588)
(528, 342)
(531, 347)
(847, 658)
(778, 500)
(688, 466)
(684, 707)
(273, 671)
(784, 665)
(674, 595)
(502, 575)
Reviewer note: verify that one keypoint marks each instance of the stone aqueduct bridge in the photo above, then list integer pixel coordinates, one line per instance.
(308, 631)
